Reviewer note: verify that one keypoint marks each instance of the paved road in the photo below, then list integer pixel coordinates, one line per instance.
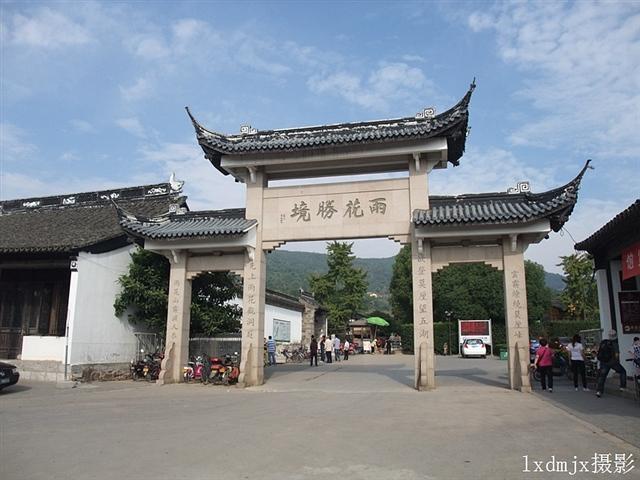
(357, 419)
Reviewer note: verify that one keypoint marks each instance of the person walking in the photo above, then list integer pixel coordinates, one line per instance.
(388, 345)
(336, 347)
(328, 346)
(544, 363)
(576, 355)
(609, 358)
(346, 348)
(271, 350)
(313, 350)
(322, 357)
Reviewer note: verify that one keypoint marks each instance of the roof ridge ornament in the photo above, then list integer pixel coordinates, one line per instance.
(176, 185)
(247, 129)
(426, 114)
(521, 187)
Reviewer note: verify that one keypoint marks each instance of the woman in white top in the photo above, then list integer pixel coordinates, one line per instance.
(576, 350)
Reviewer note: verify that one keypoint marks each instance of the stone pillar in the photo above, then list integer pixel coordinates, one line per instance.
(176, 352)
(308, 320)
(255, 279)
(253, 299)
(515, 309)
(422, 316)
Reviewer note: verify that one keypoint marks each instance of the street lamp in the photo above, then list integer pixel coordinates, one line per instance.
(448, 314)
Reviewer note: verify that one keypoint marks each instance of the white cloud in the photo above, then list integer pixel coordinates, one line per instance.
(492, 170)
(82, 126)
(588, 217)
(388, 84)
(47, 28)
(581, 59)
(14, 144)
(133, 126)
(206, 187)
(149, 47)
(17, 185)
(142, 88)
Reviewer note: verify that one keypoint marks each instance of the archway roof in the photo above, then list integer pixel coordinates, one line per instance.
(451, 124)
(200, 224)
(502, 208)
(446, 211)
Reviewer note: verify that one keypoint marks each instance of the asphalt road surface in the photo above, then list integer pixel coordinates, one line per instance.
(357, 419)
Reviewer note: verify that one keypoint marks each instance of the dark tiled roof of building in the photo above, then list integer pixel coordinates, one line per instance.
(74, 222)
(187, 225)
(502, 208)
(451, 124)
(622, 226)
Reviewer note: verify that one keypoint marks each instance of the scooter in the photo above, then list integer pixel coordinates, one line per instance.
(193, 371)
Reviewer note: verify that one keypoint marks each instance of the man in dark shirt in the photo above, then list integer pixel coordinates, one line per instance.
(313, 350)
(609, 362)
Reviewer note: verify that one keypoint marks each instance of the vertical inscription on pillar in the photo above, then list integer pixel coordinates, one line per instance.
(251, 303)
(175, 311)
(422, 298)
(518, 306)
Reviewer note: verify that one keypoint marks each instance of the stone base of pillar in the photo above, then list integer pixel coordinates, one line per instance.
(166, 367)
(425, 378)
(252, 371)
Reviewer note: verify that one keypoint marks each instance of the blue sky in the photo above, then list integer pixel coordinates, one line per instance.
(93, 93)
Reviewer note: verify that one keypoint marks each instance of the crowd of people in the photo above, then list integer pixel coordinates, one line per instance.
(607, 354)
(329, 349)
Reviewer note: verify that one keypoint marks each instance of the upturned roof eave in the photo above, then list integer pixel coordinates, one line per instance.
(448, 127)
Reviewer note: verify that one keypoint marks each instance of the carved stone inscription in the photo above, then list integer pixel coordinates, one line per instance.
(516, 325)
(422, 298)
(327, 208)
(358, 210)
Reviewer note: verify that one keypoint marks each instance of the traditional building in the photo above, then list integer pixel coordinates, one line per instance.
(493, 228)
(616, 252)
(60, 259)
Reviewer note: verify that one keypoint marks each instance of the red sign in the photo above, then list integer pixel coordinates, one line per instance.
(474, 328)
(631, 261)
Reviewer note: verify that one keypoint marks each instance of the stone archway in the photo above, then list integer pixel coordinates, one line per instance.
(495, 228)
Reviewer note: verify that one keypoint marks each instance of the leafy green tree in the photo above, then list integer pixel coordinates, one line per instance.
(580, 293)
(343, 288)
(538, 294)
(145, 288)
(471, 290)
(401, 287)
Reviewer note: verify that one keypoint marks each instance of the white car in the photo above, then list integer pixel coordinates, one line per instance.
(473, 347)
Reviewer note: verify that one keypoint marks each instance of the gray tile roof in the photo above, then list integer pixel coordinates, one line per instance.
(451, 124)
(74, 222)
(188, 225)
(502, 208)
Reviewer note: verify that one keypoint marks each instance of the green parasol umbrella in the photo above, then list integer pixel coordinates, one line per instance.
(377, 322)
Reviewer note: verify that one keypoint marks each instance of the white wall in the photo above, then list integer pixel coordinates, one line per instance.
(271, 312)
(43, 348)
(96, 334)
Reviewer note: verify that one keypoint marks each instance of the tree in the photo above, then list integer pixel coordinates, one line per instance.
(145, 289)
(469, 290)
(343, 288)
(401, 287)
(580, 293)
(538, 294)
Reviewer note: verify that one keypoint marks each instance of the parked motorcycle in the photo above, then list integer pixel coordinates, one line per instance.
(148, 368)
(193, 371)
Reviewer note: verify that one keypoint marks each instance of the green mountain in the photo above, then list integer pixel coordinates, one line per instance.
(554, 281)
(288, 272)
